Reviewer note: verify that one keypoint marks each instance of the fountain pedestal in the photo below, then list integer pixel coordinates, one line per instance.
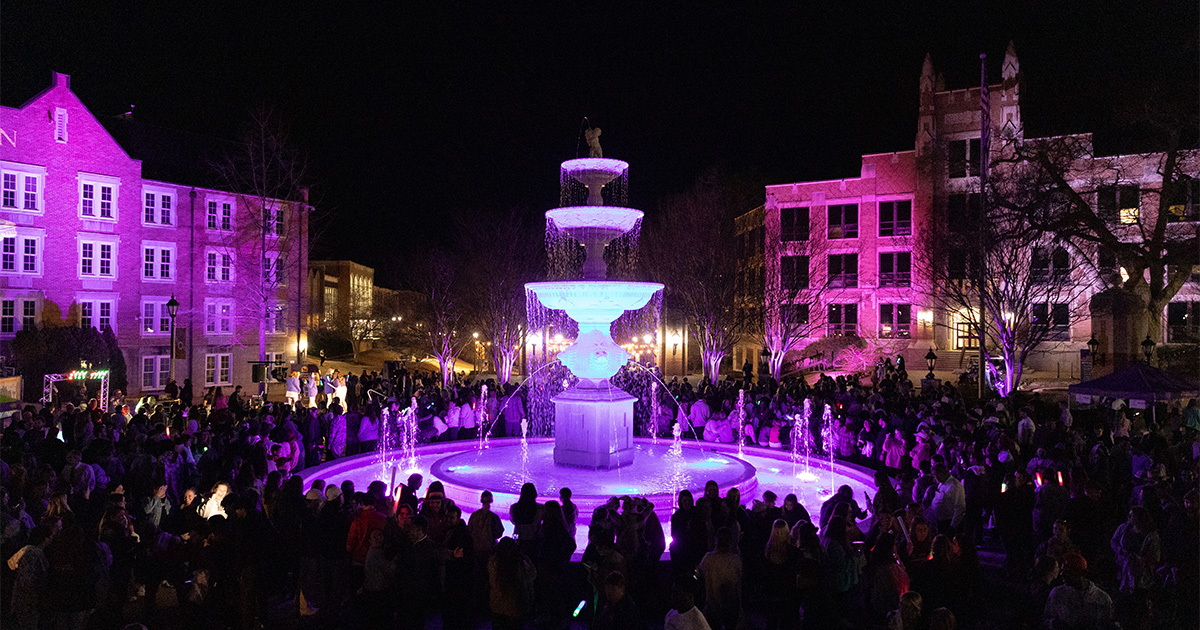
(593, 427)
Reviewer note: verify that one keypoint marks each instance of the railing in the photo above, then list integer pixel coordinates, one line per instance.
(895, 279)
(844, 280)
(895, 228)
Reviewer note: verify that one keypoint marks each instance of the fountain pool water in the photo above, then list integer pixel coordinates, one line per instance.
(657, 473)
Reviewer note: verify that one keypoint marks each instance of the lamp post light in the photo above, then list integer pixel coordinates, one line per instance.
(172, 311)
(1148, 348)
(931, 361)
(1093, 348)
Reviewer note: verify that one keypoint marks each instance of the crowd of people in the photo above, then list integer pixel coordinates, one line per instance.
(1093, 512)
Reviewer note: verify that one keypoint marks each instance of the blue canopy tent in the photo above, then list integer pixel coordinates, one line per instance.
(1139, 381)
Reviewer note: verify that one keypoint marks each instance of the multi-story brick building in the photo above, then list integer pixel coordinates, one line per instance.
(859, 235)
(89, 240)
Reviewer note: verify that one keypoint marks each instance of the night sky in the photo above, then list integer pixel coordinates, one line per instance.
(413, 116)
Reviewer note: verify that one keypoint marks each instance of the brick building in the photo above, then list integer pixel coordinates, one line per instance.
(90, 238)
(852, 239)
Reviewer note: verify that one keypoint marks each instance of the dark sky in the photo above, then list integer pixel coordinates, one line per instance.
(413, 115)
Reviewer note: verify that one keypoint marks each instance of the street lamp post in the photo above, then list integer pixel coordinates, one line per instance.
(172, 311)
(1093, 348)
(931, 361)
(1148, 348)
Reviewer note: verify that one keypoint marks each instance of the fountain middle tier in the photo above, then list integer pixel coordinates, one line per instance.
(594, 301)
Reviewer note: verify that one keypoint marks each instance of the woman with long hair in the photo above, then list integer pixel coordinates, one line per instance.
(525, 514)
(843, 564)
(780, 578)
(908, 615)
(510, 579)
(555, 546)
(886, 577)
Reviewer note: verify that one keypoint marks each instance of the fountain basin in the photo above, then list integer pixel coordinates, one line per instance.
(594, 301)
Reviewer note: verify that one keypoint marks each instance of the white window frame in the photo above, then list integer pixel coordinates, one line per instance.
(276, 323)
(271, 275)
(156, 265)
(14, 321)
(92, 305)
(160, 371)
(97, 241)
(214, 363)
(214, 213)
(21, 173)
(13, 253)
(99, 183)
(159, 320)
(219, 316)
(158, 209)
(273, 222)
(219, 267)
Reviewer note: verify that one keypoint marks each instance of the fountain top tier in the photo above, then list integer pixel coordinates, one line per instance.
(595, 174)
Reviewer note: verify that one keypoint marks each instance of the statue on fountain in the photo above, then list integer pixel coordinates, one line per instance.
(592, 136)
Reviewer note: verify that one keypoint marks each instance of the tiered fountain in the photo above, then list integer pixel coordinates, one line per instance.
(593, 450)
(593, 421)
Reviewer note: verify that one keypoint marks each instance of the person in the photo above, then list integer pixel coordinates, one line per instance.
(312, 388)
(1059, 545)
(292, 395)
(510, 586)
(780, 577)
(949, 501)
(684, 615)
(908, 615)
(525, 515)
(157, 507)
(721, 570)
(894, 450)
(1137, 548)
(618, 611)
(213, 505)
(485, 527)
(793, 512)
(30, 579)
(379, 583)
(1077, 603)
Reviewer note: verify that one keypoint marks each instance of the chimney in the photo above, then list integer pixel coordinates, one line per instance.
(62, 80)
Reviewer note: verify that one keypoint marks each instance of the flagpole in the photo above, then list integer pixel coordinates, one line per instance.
(984, 141)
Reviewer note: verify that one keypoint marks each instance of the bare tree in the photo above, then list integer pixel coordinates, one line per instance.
(1057, 187)
(702, 282)
(444, 317)
(1031, 293)
(505, 255)
(796, 286)
(265, 238)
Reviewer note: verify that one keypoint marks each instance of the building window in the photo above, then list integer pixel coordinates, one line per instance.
(843, 319)
(158, 208)
(1119, 204)
(1106, 263)
(1183, 322)
(963, 158)
(271, 270)
(843, 271)
(218, 266)
(96, 259)
(895, 269)
(60, 124)
(895, 321)
(1185, 206)
(793, 224)
(21, 254)
(966, 334)
(843, 221)
(218, 317)
(220, 215)
(156, 321)
(1050, 265)
(796, 314)
(793, 273)
(18, 314)
(895, 218)
(276, 324)
(156, 370)
(96, 313)
(98, 197)
(273, 219)
(217, 369)
(158, 261)
(1053, 321)
(21, 191)
(962, 212)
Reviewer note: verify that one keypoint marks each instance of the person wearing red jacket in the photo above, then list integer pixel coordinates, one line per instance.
(358, 541)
